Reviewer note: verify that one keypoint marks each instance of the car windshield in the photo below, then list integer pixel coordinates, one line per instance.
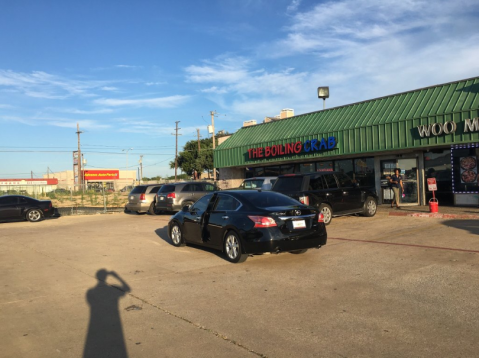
(167, 189)
(268, 199)
(293, 183)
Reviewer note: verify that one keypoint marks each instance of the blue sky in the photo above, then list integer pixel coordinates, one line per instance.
(126, 71)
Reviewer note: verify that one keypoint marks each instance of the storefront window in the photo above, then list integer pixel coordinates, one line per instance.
(364, 171)
(324, 166)
(287, 169)
(464, 169)
(344, 166)
(437, 164)
(249, 173)
(306, 168)
(271, 171)
(259, 172)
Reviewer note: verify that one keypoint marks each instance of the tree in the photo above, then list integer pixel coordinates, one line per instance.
(190, 159)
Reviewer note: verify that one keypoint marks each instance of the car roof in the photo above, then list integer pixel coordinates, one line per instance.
(254, 178)
(308, 174)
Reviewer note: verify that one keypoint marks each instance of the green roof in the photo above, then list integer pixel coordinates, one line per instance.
(381, 124)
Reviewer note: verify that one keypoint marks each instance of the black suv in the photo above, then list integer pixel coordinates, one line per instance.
(333, 193)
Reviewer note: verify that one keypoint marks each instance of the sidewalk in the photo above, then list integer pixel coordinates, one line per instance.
(445, 212)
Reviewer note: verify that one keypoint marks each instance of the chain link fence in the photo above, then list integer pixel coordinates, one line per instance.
(93, 198)
(78, 200)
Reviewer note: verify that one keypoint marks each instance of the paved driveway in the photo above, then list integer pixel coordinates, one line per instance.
(381, 287)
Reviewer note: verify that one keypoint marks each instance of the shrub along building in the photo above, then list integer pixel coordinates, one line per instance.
(428, 132)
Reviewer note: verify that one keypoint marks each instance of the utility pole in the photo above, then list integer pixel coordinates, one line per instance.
(198, 133)
(80, 176)
(48, 172)
(31, 174)
(141, 167)
(213, 113)
(176, 150)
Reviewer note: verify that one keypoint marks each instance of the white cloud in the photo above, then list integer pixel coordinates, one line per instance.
(362, 49)
(40, 84)
(160, 102)
(155, 83)
(81, 111)
(109, 88)
(293, 6)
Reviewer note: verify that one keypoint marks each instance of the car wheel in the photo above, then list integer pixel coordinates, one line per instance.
(188, 204)
(370, 207)
(298, 252)
(327, 213)
(152, 209)
(177, 236)
(34, 215)
(233, 250)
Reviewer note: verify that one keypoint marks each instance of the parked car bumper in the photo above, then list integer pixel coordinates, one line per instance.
(274, 242)
(141, 207)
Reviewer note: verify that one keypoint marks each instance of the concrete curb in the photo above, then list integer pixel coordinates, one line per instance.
(434, 215)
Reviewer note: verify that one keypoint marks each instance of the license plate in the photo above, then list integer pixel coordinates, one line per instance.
(162, 198)
(299, 224)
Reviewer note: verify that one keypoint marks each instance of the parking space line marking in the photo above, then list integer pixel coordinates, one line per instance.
(410, 245)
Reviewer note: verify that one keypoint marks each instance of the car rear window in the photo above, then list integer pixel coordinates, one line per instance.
(288, 184)
(167, 189)
(253, 184)
(266, 199)
(138, 190)
(155, 189)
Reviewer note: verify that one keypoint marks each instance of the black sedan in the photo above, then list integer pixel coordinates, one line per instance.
(245, 222)
(14, 207)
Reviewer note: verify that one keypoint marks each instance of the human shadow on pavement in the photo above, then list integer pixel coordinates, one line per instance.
(105, 333)
(469, 225)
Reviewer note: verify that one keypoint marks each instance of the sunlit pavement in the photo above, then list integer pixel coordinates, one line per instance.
(383, 286)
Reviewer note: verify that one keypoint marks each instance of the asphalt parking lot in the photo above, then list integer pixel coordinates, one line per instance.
(381, 287)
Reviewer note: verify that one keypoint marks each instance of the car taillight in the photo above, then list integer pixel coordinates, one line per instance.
(171, 196)
(262, 221)
(142, 197)
(320, 218)
(304, 200)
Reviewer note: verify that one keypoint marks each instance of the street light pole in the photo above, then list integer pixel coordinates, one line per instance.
(126, 150)
(213, 113)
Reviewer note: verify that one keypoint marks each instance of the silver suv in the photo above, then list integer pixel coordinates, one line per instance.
(257, 183)
(142, 199)
(173, 197)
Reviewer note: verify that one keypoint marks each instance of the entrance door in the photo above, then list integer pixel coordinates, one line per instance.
(409, 172)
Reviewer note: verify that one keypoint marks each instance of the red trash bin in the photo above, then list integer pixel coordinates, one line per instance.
(433, 205)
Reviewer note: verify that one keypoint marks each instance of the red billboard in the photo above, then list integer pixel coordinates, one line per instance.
(101, 175)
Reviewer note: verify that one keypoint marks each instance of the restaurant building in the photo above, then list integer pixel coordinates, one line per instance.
(430, 132)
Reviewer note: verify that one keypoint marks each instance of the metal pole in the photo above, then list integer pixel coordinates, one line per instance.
(214, 142)
(324, 103)
(80, 179)
(176, 150)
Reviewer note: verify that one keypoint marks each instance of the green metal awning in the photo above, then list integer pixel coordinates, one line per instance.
(382, 124)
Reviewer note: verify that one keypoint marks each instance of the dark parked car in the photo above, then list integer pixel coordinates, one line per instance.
(172, 197)
(14, 207)
(242, 222)
(142, 199)
(333, 193)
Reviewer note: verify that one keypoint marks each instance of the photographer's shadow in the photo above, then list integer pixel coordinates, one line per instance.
(105, 332)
